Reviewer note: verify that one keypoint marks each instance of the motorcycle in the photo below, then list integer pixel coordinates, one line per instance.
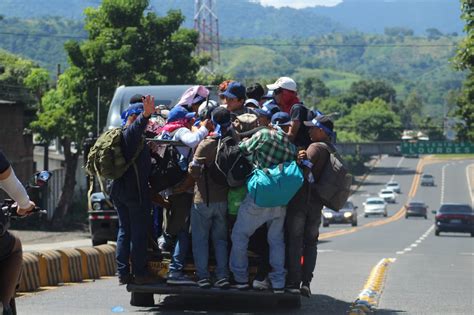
(9, 212)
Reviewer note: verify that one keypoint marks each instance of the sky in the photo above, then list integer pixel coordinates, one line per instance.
(298, 4)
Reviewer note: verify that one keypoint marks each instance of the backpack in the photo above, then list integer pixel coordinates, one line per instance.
(106, 159)
(166, 172)
(273, 187)
(334, 185)
(231, 167)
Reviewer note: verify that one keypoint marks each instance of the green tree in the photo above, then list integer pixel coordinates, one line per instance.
(313, 90)
(38, 82)
(465, 61)
(368, 90)
(125, 47)
(372, 121)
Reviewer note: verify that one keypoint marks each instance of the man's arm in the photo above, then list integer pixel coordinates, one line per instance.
(12, 186)
(293, 131)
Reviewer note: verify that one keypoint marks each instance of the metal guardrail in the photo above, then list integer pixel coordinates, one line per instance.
(372, 148)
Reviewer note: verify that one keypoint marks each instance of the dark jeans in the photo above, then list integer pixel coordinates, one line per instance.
(302, 227)
(132, 234)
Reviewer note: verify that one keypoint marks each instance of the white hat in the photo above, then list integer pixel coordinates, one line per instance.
(283, 83)
(251, 101)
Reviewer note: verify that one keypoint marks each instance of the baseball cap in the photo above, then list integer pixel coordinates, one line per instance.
(281, 119)
(179, 112)
(221, 116)
(283, 83)
(269, 108)
(322, 121)
(206, 108)
(251, 103)
(235, 90)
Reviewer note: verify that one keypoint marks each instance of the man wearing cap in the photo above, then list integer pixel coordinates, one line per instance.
(304, 211)
(235, 99)
(267, 147)
(131, 197)
(264, 114)
(178, 128)
(285, 95)
(209, 211)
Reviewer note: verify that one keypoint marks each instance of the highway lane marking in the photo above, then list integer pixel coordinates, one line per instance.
(398, 165)
(443, 176)
(368, 299)
(469, 176)
(416, 243)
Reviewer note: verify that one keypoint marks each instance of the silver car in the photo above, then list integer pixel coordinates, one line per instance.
(427, 180)
(375, 205)
(348, 214)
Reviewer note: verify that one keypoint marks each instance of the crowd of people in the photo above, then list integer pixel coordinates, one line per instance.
(269, 128)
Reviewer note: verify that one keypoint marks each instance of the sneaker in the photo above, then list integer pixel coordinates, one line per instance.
(305, 290)
(125, 279)
(204, 283)
(261, 284)
(179, 279)
(278, 290)
(222, 283)
(239, 285)
(293, 289)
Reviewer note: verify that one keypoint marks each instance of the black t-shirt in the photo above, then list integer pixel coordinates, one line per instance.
(301, 113)
(4, 164)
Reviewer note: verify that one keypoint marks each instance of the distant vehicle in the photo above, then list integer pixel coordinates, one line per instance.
(103, 220)
(427, 180)
(393, 186)
(348, 214)
(413, 136)
(388, 195)
(416, 209)
(375, 205)
(454, 217)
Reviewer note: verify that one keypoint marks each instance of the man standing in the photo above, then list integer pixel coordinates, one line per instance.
(131, 195)
(267, 147)
(304, 211)
(285, 95)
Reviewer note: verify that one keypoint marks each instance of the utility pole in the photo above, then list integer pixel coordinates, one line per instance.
(206, 23)
(98, 111)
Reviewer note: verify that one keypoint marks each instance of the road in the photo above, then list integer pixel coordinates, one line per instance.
(428, 274)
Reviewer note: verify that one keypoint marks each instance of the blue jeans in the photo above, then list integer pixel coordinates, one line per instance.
(133, 221)
(213, 220)
(157, 222)
(178, 261)
(249, 218)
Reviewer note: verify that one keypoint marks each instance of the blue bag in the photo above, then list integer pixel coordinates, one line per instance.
(273, 187)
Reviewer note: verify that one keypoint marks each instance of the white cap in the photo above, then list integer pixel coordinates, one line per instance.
(283, 83)
(251, 101)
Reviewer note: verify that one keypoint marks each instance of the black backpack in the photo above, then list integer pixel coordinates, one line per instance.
(334, 185)
(231, 167)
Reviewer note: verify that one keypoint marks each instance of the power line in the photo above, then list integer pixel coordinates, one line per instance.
(260, 44)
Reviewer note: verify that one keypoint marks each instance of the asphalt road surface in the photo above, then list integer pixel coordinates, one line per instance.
(428, 274)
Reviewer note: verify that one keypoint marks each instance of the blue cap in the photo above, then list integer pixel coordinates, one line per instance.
(281, 119)
(235, 90)
(132, 109)
(323, 122)
(269, 108)
(179, 112)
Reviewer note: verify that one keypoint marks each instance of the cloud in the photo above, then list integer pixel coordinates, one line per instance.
(298, 4)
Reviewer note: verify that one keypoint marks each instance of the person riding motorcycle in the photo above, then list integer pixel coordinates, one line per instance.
(11, 253)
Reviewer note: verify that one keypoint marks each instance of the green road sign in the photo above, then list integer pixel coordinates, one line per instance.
(437, 147)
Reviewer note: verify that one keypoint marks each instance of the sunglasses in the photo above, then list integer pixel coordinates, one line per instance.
(277, 91)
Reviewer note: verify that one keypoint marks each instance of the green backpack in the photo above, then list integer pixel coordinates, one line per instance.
(106, 158)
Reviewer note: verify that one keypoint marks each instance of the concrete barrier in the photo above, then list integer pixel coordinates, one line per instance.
(50, 269)
(71, 265)
(107, 262)
(90, 258)
(30, 280)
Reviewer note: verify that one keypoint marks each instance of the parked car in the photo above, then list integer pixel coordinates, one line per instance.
(348, 214)
(393, 186)
(454, 217)
(103, 220)
(375, 205)
(427, 180)
(388, 195)
(416, 209)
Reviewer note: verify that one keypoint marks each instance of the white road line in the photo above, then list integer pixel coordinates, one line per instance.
(442, 182)
(416, 243)
(398, 165)
(471, 191)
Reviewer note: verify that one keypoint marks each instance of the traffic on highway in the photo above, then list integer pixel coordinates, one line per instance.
(419, 271)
